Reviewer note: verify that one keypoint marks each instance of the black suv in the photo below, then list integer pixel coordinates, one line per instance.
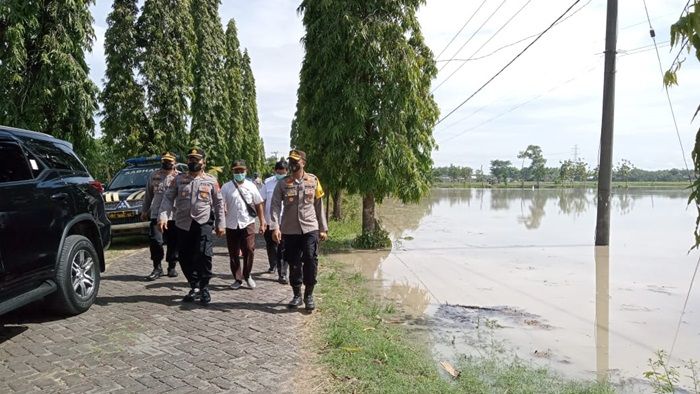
(125, 193)
(53, 226)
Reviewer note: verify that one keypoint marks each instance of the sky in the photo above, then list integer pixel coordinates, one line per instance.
(550, 96)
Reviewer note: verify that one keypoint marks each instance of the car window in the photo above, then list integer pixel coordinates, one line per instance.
(56, 156)
(131, 178)
(13, 164)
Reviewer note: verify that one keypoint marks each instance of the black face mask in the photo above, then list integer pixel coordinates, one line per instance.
(167, 166)
(194, 167)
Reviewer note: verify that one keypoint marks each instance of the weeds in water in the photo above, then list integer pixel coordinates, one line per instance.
(665, 378)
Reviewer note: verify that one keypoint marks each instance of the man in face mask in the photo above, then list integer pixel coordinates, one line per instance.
(243, 204)
(274, 250)
(300, 226)
(196, 198)
(157, 183)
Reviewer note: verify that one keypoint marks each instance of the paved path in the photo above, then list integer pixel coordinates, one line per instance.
(140, 337)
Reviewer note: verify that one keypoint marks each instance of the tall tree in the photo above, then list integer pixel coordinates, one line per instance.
(125, 128)
(234, 86)
(364, 112)
(503, 170)
(210, 100)
(166, 37)
(537, 162)
(253, 150)
(44, 81)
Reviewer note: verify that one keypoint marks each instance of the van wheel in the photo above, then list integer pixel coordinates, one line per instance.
(77, 276)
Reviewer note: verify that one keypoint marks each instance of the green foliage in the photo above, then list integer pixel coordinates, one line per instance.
(252, 149)
(503, 170)
(537, 162)
(685, 33)
(234, 79)
(365, 114)
(125, 128)
(44, 81)
(375, 239)
(210, 101)
(454, 173)
(623, 170)
(166, 38)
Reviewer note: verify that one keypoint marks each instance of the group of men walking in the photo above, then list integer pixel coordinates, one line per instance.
(186, 208)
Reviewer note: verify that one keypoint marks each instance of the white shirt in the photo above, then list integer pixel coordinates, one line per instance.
(237, 215)
(266, 191)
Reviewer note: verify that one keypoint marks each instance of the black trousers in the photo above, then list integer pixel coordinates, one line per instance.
(195, 248)
(275, 254)
(158, 239)
(300, 252)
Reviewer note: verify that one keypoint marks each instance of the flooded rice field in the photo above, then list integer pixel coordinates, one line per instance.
(516, 270)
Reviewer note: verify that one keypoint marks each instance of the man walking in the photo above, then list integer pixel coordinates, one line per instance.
(243, 203)
(274, 250)
(198, 206)
(157, 183)
(300, 226)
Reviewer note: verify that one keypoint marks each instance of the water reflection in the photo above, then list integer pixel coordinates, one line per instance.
(602, 311)
(532, 250)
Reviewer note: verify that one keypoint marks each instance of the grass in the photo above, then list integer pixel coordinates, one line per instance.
(361, 350)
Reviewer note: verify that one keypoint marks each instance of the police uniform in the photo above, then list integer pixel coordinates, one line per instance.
(299, 222)
(198, 207)
(157, 183)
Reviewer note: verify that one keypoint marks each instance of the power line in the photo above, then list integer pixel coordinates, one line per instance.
(484, 44)
(460, 30)
(668, 95)
(509, 63)
(520, 105)
(629, 52)
(474, 34)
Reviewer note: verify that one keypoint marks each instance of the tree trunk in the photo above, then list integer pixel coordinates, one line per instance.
(368, 220)
(338, 204)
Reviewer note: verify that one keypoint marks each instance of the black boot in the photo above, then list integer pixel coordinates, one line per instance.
(296, 300)
(309, 298)
(156, 273)
(172, 272)
(205, 296)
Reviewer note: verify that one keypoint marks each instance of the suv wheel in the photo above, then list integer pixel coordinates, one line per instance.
(77, 276)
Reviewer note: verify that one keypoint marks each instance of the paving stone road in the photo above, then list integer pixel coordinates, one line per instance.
(139, 337)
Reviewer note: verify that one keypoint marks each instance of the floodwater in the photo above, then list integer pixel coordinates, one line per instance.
(517, 269)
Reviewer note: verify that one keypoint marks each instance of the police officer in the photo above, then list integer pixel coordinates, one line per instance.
(198, 207)
(158, 182)
(299, 226)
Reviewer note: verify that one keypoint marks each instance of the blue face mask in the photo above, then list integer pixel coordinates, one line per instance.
(239, 177)
(279, 176)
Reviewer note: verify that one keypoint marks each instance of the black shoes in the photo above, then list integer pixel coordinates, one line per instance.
(157, 273)
(172, 272)
(205, 297)
(309, 298)
(283, 280)
(295, 302)
(193, 295)
(271, 270)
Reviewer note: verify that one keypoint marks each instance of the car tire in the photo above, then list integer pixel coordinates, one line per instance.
(77, 276)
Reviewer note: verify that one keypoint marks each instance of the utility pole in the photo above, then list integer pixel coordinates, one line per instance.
(602, 228)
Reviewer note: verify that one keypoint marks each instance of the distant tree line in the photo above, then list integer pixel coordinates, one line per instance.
(568, 172)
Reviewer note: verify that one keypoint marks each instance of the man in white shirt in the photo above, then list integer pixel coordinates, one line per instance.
(275, 255)
(243, 203)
